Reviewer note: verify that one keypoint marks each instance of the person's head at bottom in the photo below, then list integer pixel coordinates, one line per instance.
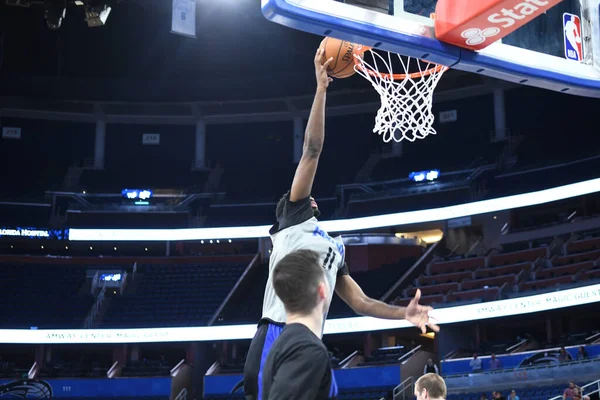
(300, 283)
(430, 387)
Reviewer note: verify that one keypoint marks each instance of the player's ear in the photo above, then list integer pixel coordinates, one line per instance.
(322, 291)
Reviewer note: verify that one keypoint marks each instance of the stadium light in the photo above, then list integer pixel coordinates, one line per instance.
(96, 16)
(422, 176)
(347, 225)
(132, 194)
(54, 12)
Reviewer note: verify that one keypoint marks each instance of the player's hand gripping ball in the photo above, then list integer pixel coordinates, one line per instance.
(342, 53)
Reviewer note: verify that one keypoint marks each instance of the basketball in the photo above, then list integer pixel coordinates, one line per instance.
(342, 52)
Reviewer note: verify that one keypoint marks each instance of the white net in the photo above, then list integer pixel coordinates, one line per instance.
(406, 98)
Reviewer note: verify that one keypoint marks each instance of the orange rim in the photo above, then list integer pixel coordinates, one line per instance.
(360, 50)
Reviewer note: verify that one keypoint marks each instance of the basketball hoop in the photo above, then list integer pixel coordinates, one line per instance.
(406, 98)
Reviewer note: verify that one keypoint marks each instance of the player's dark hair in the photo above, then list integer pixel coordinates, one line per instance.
(296, 280)
(435, 385)
(281, 205)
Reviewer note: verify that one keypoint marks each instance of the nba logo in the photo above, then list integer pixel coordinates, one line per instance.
(572, 35)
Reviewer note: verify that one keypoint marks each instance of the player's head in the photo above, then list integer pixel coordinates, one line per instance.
(300, 283)
(430, 387)
(281, 204)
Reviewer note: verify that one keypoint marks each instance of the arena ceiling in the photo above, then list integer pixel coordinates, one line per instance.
(237, 55)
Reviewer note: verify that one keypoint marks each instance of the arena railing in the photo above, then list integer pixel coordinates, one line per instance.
(595, 338)
(405, 357)
(348, 225)
(529, 368)
(182, 395)
(400, 391)
(514, 347)
(93, 313)
(594, 385)
(344, 363)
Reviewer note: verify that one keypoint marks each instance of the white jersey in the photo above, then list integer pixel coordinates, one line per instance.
(298, 236)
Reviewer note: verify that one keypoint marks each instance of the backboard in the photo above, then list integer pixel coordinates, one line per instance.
(534, 54)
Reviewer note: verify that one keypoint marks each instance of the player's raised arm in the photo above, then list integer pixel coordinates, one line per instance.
(360, 303)
(314, 135)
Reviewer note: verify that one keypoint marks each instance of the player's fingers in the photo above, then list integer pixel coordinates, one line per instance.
(318, 56)
(417, 295)
(414, 302)
(425, 323)
(329, 79)
(326, 63)
(433, 326)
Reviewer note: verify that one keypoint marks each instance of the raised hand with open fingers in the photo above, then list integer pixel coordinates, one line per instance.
(419, 315)
(323, 79)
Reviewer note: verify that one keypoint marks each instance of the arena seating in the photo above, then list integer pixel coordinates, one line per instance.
(116, 177)
(250, 310)
(233, 367)
(37, 291)
(241, 215)
(386, 355)
(108, 220)
(178, 295)
(458, 265)
(580, 263)
(383, 203)
(505, 274)
(146, 368)
(514, 269)
(255, 213)
(371, 393)
(24, 216)
(583, 245)
(120, 398)
(516, 257)
(374, 283)
(433, 153)
(576, 258)
(14, 367)
(237, 366)
(542, 393)
(72, 369)
(555, 175)
(369, 281)
(48, 155)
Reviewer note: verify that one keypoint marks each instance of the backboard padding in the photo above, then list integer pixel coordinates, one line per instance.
(413, 36)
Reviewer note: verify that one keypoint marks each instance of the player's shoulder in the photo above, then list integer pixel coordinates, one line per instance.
(301, 224)
(291, 213)
(299, 338)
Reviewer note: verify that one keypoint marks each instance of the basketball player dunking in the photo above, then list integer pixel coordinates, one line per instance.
(297, 228)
